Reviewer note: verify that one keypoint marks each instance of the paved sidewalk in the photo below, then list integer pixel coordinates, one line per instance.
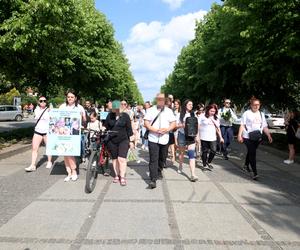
(225, 209)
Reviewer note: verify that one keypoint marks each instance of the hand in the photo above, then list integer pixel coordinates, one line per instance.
(163, 131)
(240, 139)
(270, 138)
(222, 141)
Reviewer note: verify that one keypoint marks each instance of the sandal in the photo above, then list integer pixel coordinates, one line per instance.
(123, 181)
(116, 179)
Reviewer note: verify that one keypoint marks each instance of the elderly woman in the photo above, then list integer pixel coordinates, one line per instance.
(118, 143)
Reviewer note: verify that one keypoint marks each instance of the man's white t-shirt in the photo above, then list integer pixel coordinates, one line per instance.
(208, 126)
(163, 121)
(43, 125)
(253, 121)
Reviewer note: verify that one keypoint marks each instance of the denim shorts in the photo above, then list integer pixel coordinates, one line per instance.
(184, 140)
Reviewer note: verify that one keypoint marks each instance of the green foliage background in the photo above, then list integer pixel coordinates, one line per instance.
(242, 48)
(50, 44)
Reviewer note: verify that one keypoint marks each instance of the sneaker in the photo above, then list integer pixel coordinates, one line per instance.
(138, 161)
(49, 164)
(210, 166)
(160, 176)
(255, 177)
(194, 178)
(68, 178)
(226, 157)
(31, 168)
(246, 169)
(288, 161)
(206, 167)
(74, 177)
(179, 171)
(152, 184)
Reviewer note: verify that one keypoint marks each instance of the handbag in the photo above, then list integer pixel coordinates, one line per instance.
(146, 135)
(256, 135)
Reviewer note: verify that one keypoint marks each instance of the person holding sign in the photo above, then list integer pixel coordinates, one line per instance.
(72, 105)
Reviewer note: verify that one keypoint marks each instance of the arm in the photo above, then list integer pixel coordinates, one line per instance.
(148, 126)
(241, 130)
(129, 127)
(219, 134)
(268, 134)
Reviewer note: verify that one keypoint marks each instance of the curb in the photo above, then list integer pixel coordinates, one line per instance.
(13, 152)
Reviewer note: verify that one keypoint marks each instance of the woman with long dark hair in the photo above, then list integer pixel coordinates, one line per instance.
(72, 104)
(209, 128)
(185, 141)
(253, 124)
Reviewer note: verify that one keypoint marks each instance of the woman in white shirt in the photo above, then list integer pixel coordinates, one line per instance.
(40, 133)
(72, 104)
(209, 128)
(253, 123)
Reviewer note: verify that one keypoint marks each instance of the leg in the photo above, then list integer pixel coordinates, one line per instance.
(212, 153)
(251, 154)
(191, 155)
(113, 150)
(153, 162)
(224, 135)
(49, 163)
(163, 154)
(291, 152)
(123, 148)
(36, 142)
(204, 149)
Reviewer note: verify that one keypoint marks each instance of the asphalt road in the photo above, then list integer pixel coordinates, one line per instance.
(11, 125)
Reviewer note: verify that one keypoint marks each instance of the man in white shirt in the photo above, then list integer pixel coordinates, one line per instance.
(227, 117)
(159, 120)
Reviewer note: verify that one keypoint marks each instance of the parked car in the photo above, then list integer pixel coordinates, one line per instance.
(10, 112)
(275, 120)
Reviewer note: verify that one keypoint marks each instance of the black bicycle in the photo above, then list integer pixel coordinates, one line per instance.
(98, 157)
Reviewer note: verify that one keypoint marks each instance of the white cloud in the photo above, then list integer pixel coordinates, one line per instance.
(152, 49)
(174, 4)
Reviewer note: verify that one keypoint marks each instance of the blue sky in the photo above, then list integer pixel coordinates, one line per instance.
(153, 33)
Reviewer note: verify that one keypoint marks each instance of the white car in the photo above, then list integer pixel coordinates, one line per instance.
(274, 120)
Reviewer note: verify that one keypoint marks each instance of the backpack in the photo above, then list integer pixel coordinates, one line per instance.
(191, 126)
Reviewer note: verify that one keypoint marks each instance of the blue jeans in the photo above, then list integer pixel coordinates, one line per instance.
(227, 134)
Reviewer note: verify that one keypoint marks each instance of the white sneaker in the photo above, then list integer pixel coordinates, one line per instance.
(138, 161)
(288, 161)
(179, 170)
(31, 168)
(74, 177)
(49, 164)
(68, 178)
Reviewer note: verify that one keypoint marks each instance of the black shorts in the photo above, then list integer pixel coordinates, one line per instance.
(118, 150)
(171, 139)
(291, 138)
(41, 134)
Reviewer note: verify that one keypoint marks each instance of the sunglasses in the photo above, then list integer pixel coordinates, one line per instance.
(42, 101)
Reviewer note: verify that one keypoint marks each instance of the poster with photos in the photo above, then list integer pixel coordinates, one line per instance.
(64, 134)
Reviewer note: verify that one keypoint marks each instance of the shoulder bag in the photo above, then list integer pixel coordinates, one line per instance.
(146, 135)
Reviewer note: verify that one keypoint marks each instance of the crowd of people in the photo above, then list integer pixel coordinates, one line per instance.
(169, 128)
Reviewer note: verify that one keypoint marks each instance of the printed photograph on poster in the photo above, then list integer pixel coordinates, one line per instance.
(64, 136)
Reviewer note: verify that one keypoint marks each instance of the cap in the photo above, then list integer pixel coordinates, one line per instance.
(116, 104)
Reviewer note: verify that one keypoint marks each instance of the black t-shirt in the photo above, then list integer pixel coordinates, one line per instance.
(122, 126)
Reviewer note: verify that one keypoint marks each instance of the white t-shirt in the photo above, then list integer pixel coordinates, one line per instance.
(181, 130)
(163, 121)
(207, 129)
(43, 125)
(253, 121)
(231, 120)
(73, 107)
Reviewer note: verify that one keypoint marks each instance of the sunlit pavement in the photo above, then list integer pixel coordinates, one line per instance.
(225, 209)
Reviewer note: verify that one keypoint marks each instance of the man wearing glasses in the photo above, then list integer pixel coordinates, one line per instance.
(159, 120)
(227, 117)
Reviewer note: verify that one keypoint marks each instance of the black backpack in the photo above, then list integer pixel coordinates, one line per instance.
(191, 126)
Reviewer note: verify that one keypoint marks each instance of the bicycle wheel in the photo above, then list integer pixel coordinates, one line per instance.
(91, 172)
